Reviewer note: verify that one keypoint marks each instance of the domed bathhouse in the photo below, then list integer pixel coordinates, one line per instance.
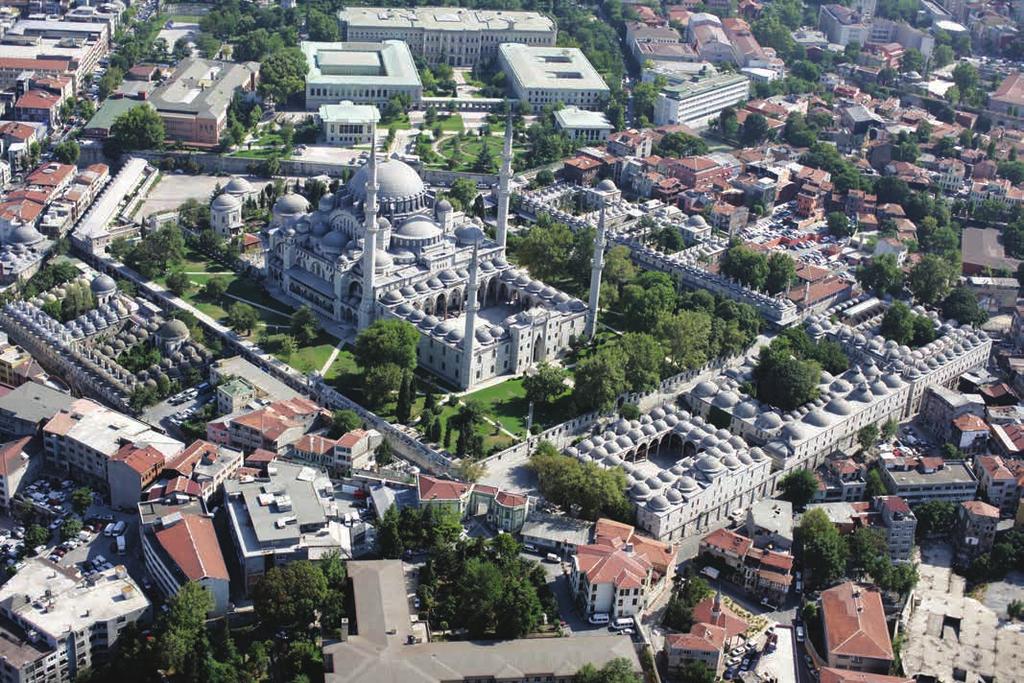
(383, 247)
(226, 215)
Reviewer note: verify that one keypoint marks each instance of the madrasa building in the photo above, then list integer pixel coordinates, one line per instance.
(382, 246)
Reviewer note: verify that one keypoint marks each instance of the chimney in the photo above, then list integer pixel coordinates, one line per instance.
(343, 630)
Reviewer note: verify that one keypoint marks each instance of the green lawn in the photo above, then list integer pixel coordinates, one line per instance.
(305, 358)
(401, 123)
(451, 124)
(186, 18)
(468, 150)
(257, 153)
(506, 403)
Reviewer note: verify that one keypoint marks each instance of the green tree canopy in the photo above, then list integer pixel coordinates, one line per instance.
(289, 596)
(799, 487)
(387, 342)
(587, 489)
(544, 384)
(599, 379)
(138, 128)
(824, 551)
(283, 74)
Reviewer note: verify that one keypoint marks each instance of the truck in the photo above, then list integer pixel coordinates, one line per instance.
(120, 545)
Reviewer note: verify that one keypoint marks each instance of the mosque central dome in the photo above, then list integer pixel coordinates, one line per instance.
(395, 180)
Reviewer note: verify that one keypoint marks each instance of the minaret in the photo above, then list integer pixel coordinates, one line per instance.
(595, 275)
(504, 176)
(469, 334)
(366, 313)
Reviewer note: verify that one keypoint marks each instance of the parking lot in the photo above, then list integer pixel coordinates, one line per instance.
(811, 245)
(172, 411)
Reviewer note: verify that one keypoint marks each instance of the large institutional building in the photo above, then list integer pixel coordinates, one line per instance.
(382, 247)
(694, 104)
(451, 35)
(363, 73)
(547, 75)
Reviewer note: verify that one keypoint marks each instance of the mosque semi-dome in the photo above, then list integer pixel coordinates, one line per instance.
(396, 180)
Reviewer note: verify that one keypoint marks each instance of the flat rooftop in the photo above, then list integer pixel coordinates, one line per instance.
(34, 402)
(574, 117)
(558, 68)
(378, 651)
(952, 473)
(384, 63)
(984, 247)
(278, 509)
(105, 430)
(236, 366)
(557, 528)
(52, 599)
(445, 19)
(705, 85)
(202, 86)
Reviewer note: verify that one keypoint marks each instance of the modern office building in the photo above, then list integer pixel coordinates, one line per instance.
(580, 124)
(450, 35)
(193, 102)
(359, 72)
(695, 104)
(547, 75)
(54, 623)
(923, 479)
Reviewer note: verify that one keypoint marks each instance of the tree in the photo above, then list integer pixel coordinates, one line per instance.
(70, 528)
(322, 27)
(680, 145)
(781, 272)
(138, 128)
(618, 670)
(178, 282)
(936, 517)
(799, 487)
(600, 379)
(867, 437)
(727, 123)
(380, 382)
(647, 300)
(544, 384)
(962, 305)
(81, 499)
(290, 596)
(643, 360)
(882, 275)
(384, 456)
(965, 77)
(242, 317)
(403, 409)
(898, 323)
(696, 672)
(546, 249)
(932, 279)
(889, 429)
(67, 152)
(389, 536)
(215, 288)
(823, 550)
(387, 342)
(743, 264)
(874, 484)
(912, 60)
(287, 346)
(942, 55)
(839, 225)
(518, 610)
(283, 74)
(185, 625)
(951, 452)
(464, 190)
(783, 380)
(35, 536)
(686, 336)
(755, 129)
(589, 490)
(304, 325)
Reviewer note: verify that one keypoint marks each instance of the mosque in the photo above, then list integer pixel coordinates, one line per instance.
(383, 247)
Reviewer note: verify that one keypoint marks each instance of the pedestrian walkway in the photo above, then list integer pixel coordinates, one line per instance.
(331, 358)
(252, 303)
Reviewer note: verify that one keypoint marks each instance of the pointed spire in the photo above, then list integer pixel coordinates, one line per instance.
(366, 312)
(469, 332)
(504, 177)
(597, 265)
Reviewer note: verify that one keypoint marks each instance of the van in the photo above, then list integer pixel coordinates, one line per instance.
(108, 530)
(120, 545)
(119, 528)
(621, 623)
(598, 618)
(799, 634)
(552, 558)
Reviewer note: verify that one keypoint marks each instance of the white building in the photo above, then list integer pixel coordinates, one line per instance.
(347, 124)
(450, 35)
(610, 580)
(547, 75)
(364, 73)
(695, 104)
(57, 623)
(226, 215)
(580, 124)
(714, 474)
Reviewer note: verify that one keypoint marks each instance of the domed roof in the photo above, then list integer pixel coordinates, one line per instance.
(443, 205)
(25, 235)
(606, 185)
(335, 240)
(418, 228)
(659, 503)
(291, 204)
(225, 202)
(768, 421)
(705, 389)
(173, 329)
(817, 418)
(839, 406)
(469, 234)
(395, 180)
(238, 185)
(103, 284)
(709, 464)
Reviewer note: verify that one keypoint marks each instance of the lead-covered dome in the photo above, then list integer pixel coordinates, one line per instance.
(396, 180)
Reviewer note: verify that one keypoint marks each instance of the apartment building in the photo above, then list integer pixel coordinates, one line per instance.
(762, 573)
(193, 103)
(21, 460)
(273, 427)
(1006, 104)
(547, 75)
(770, 524)
(696, 104)
(55, 623)
(891, 515)
(179, 544)
(28, 407)
(130, 471)
(451, 35)
(353, 449)
(610, 580)
(504, 510)
(941, 406)
(921, 479)
(1000, 482)
(855, 631)
(976, 525)
(83, 438)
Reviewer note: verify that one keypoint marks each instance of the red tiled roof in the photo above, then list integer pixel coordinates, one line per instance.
(994, 466)
(10, 455)
(314, 443)
(606, 564)
(192, 544)
(894, 504)
(970, 423)
(727, 619)
(141, 459)
(29, 64)
(16, 129)
(829, 675)
(980, 508)
(37, 99)
(50, 175)
(187, 460)
(728, 541)
(25, 210)
(431, 488)
(510, 499)
(701, 637)
(351, 438)
(855, 622)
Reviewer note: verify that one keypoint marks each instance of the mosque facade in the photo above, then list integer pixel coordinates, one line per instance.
(382, 246)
